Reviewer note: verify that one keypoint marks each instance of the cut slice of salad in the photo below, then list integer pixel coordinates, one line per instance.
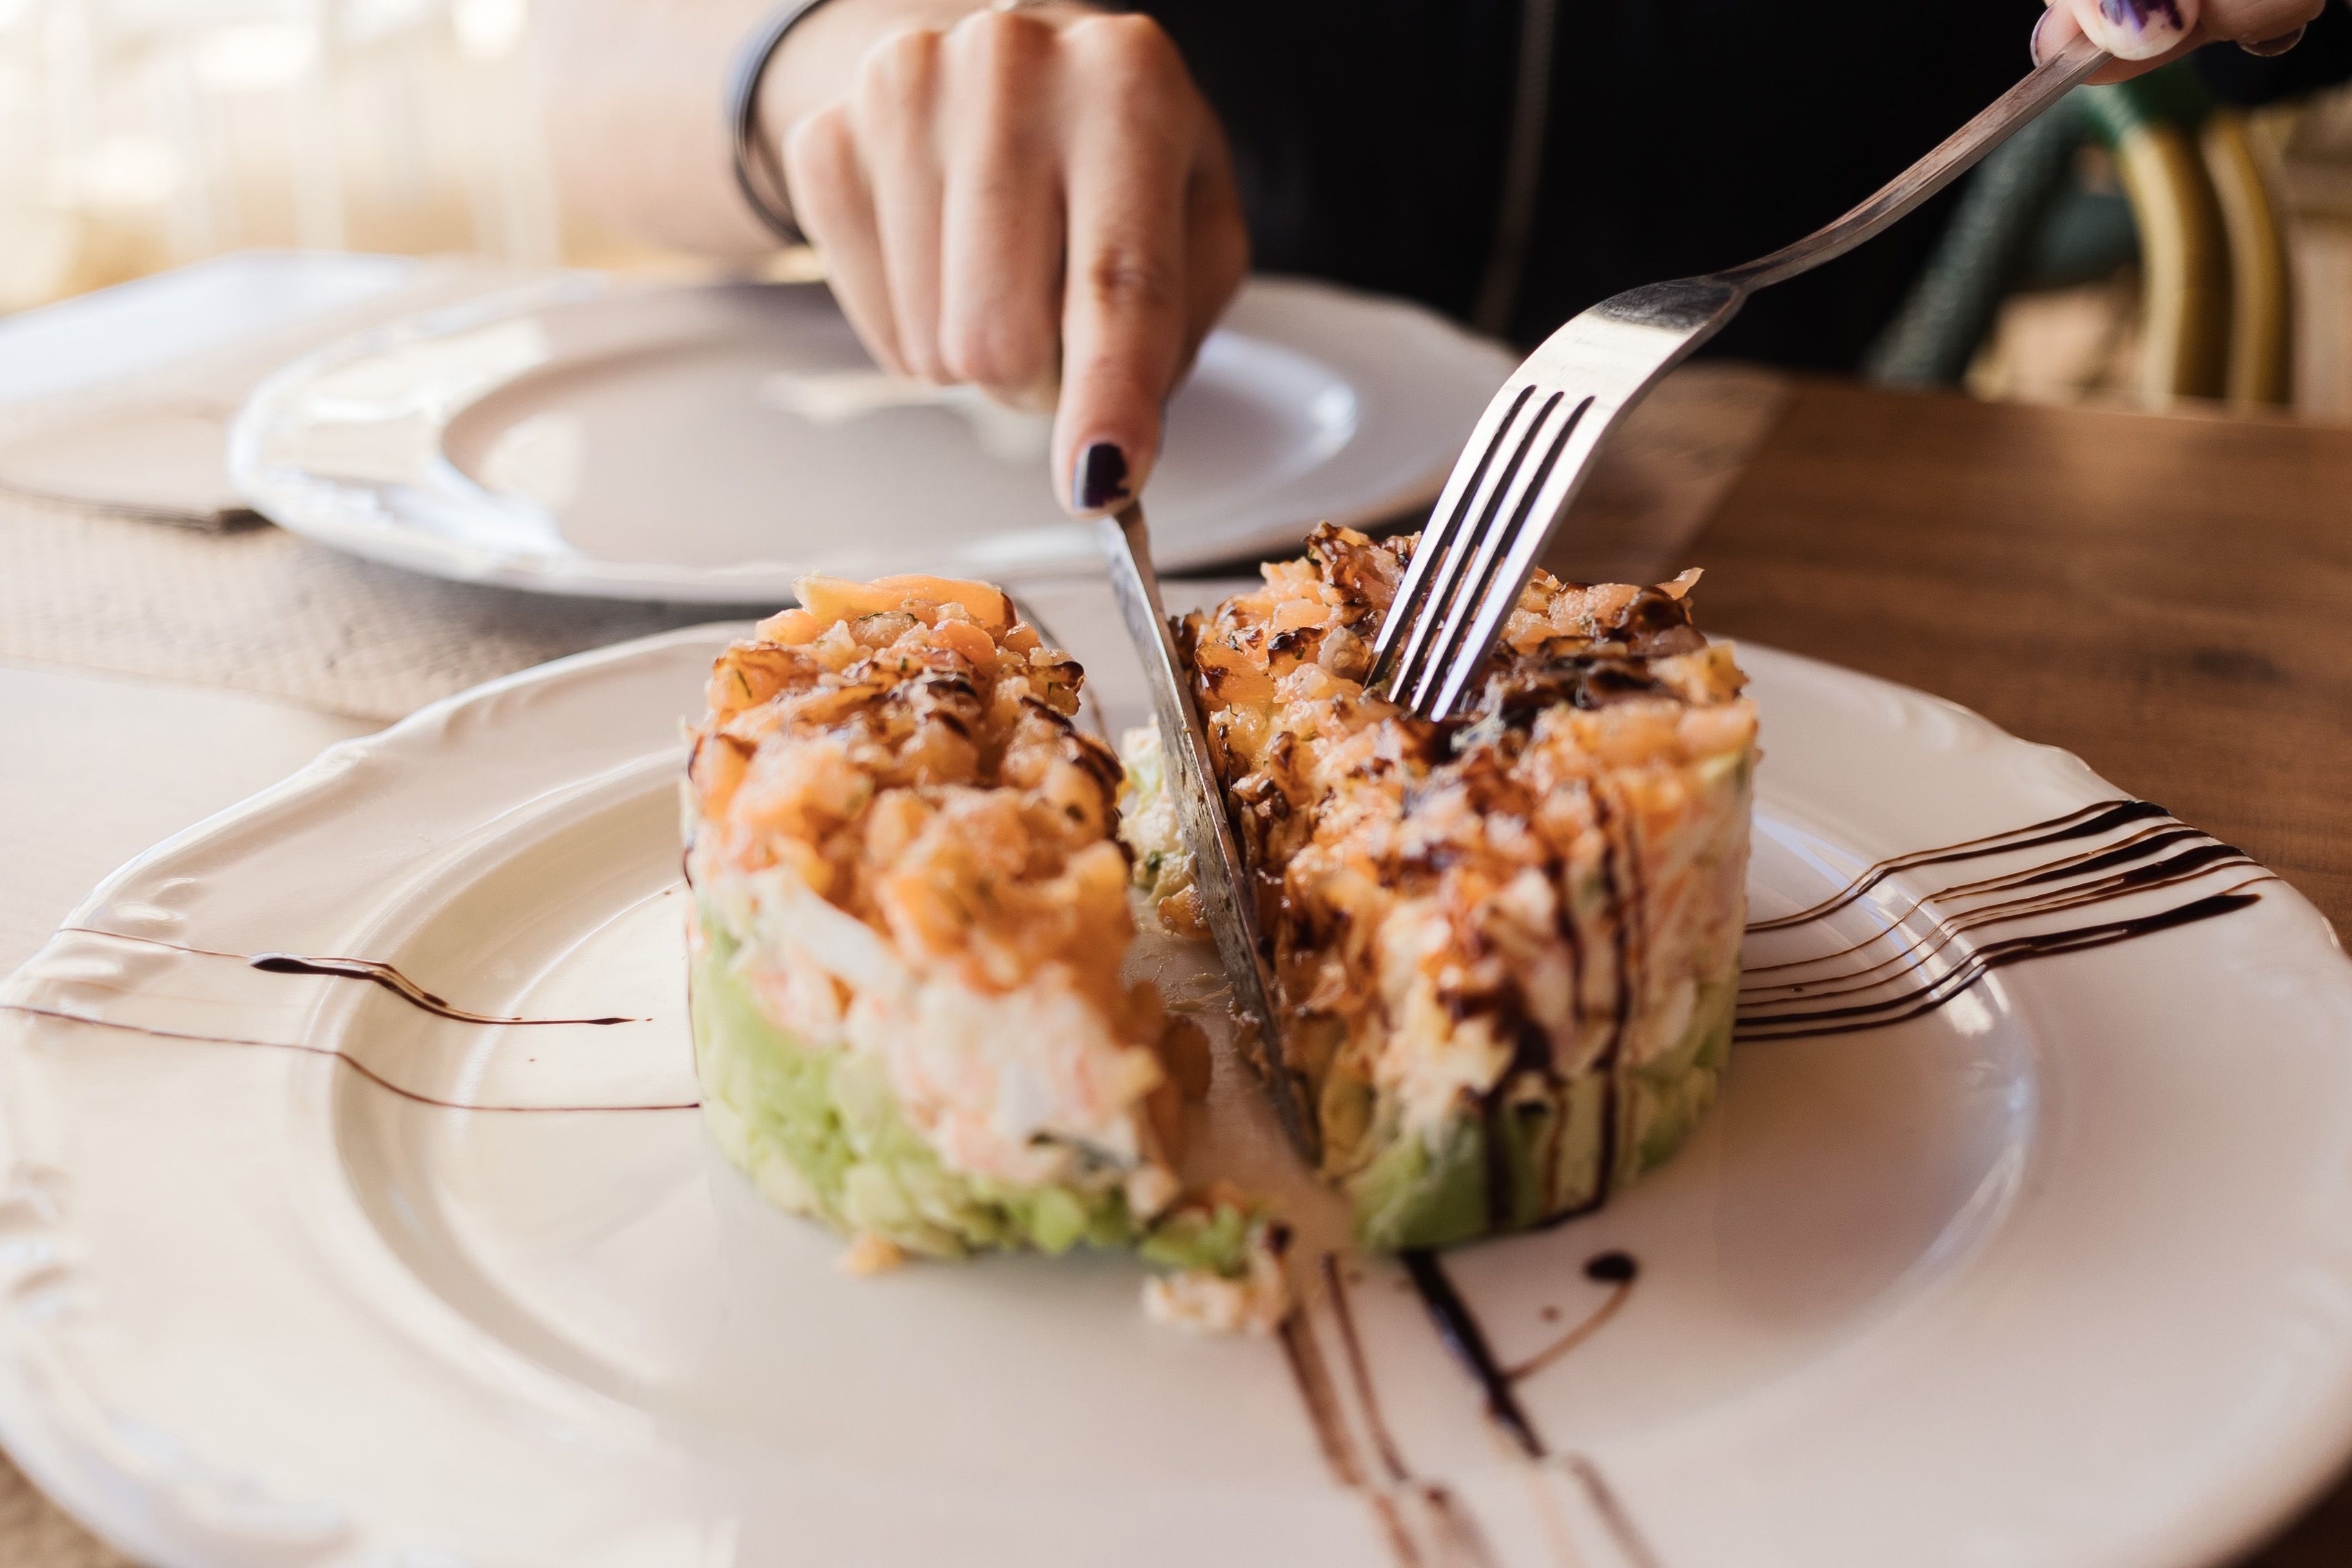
(910, 918)
(1506, 947)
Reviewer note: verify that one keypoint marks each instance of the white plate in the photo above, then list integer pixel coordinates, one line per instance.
(708, 445)
(2060, 1273)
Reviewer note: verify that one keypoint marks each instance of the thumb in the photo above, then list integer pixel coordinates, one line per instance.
(2128, 29)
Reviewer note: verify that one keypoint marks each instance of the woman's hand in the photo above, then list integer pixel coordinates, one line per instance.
(1027, 201)
(2145, 34)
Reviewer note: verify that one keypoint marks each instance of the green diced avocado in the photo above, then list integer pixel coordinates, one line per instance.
(1419, 1193)
(820, 1131)
(1213, 1237)
(1672, 1093)
(1535, 1152)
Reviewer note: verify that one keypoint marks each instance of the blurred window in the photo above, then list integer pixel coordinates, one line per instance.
(140, 134)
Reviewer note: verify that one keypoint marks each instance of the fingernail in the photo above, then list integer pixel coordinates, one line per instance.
(2142, 29)
(2035, 45)
(2265, 48)
(1101, 479)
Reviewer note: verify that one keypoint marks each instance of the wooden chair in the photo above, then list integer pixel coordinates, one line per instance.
(2216, 294)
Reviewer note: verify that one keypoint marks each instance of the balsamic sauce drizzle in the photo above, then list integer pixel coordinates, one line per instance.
(1460, 1539)
(1314, 1381)
(401, 986)
(357, 1065)
(1322, 1402)
(368, 969)
(1461, 1544)
(2082, 823)
(2139, 845)
(2170, 872)
(1611, 1509)
(2167, 854)
(1984, 961)
(1459, 1328)
(1464, 1543)
(1613, 1269)
(1626, 902)
(382, 974)
(1360, 1370)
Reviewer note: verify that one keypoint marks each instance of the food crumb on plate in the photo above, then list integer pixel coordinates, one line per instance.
(868, 1254)
(1208, 1302)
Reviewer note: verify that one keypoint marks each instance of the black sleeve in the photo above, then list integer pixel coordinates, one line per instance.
(1685, 135)
(1368, 135)
(1371, 137)
(1695, 134)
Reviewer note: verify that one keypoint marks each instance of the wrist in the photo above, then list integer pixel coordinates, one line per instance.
(805, 58)
(763, 86)
(818, 62)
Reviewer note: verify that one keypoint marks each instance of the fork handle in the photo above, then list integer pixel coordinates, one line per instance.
(1955, 156)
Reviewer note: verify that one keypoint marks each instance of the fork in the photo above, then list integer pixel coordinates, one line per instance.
(1534, 445)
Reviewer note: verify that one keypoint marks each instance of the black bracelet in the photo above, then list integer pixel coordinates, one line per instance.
(754, 157)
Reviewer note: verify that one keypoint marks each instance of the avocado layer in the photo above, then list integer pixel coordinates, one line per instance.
(819, 1130)
(1535, 1150)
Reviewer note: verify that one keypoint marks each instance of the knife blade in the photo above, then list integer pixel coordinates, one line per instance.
(1201, 818)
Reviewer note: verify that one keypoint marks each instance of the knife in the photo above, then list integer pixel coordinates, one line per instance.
(1200, 816)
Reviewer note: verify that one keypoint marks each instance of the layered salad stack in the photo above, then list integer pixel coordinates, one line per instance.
(1506, 946)
(911, 913)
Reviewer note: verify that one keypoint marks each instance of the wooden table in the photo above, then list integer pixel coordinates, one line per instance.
(2168, 598)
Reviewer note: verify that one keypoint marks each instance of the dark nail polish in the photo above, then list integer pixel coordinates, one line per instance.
(2034, 44)
(2140, 14)
(1101, 479)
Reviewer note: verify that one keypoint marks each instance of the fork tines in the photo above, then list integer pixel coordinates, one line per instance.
(1474, 557)
(1526, 458)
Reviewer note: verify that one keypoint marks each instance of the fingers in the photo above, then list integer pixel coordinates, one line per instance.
(835, 206)
(2062, 25)
(2265, 26)
(2259, 26)
(1026, 200)
(2145, 34)
(894, 108)
(1125, 309)
(2132, 30)
(1001, 286)
(1217, 250)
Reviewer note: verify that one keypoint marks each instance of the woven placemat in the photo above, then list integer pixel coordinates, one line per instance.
(260, 610)
(35, 1533)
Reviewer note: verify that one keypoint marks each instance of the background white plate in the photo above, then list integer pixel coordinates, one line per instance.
(708, 445)
(2061, 1273)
